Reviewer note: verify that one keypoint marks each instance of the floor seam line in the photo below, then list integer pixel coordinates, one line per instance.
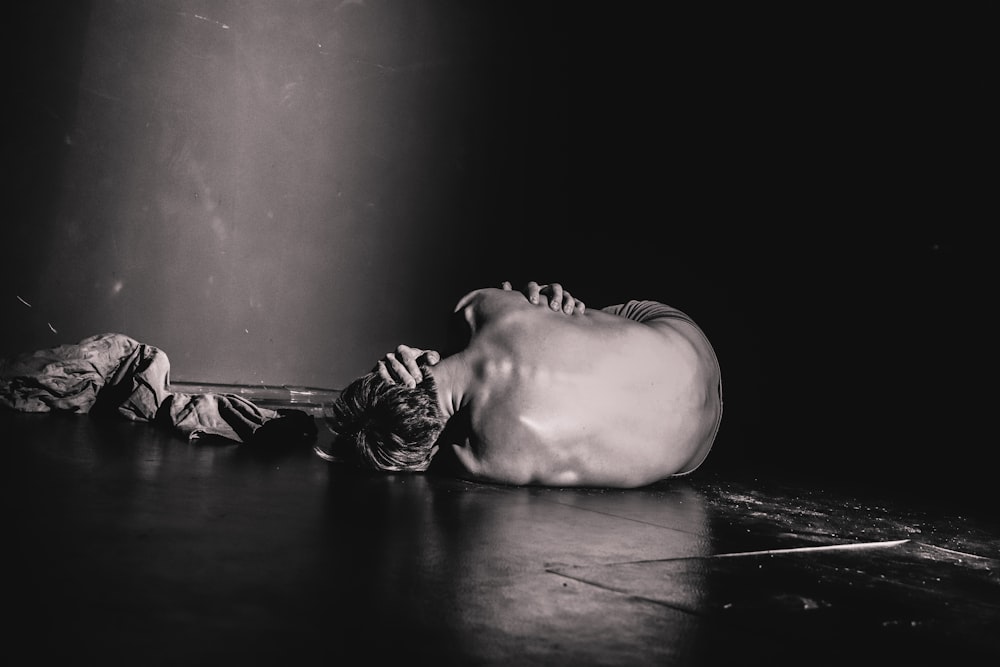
(852, 546)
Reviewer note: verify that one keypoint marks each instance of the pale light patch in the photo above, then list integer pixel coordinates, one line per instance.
(503, 367)
(530, 423)
(549, 426)
(219, 227)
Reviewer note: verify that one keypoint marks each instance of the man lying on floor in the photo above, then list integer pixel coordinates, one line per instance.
(540, 390)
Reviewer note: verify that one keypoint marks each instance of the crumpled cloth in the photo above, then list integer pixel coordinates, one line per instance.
(112, 373)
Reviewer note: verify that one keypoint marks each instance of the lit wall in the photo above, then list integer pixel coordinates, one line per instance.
(271, 192)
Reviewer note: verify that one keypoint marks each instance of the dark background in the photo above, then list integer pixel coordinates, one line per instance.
(278, 193)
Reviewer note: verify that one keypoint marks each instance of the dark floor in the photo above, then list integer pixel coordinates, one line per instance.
(127, 545)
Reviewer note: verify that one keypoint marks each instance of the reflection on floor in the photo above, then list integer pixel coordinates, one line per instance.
(129, 546)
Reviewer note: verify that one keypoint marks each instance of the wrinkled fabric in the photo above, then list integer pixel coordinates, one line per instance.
(116, 374)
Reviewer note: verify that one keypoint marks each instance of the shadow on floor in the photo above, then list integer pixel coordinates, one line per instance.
(126, 544)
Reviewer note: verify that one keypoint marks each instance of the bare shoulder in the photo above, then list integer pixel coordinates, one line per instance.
(495, 309)
(491, 298)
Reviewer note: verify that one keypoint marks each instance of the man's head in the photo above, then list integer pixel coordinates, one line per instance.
(386, 426)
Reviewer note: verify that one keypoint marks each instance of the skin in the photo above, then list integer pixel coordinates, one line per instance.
(552, 393)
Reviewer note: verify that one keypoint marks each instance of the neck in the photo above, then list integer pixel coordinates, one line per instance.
(451, 377)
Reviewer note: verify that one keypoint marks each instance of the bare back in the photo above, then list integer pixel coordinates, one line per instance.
(590, 399)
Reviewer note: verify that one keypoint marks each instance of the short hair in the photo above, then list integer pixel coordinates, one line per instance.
(385, 426)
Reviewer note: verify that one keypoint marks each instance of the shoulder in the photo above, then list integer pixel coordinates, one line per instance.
(490, 298)
(489, 304)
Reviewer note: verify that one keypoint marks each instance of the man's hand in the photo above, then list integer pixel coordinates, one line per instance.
(403, 365)
(558, 298)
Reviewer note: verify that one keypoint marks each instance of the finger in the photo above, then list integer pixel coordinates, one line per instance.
(383, 372)
(407, 354)
(431, 357)
(555, 296)
(408, 357)
(532, 290)
(397, 369)
(394, 367)
(580, 308)
(505, 285)
(568, 303)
